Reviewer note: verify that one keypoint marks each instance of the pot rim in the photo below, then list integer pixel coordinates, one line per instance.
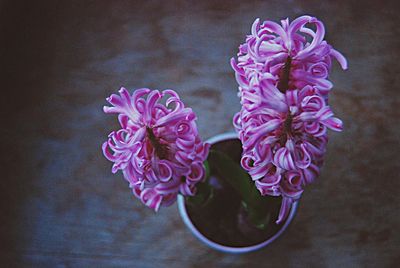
(227, 249)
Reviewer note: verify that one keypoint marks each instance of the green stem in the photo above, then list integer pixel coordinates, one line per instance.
(232, 173)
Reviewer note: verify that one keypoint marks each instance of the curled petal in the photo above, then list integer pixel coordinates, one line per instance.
(303, 157)
(319, 70)
(315, 128)
(298, 24)
(285, 208)
(273, 27)
(132, 176)
(294, 178)
(262, 153)
(291, 185)
(164, 171)
(174, 99)
(185, 145)
(271, 177)
(310, 173)
(256, 133)
(267, 182)
(183, 128)
(174, 117)
(273, 98)
(274, 190)
(259, 171)
(312, 103)
(302, 77)
(125, 104)
(187, 189)
(340, 58)
(151, 198)
(292, 97)
(284, 159)
(237, 69)
(237, 121)
(169, 187)
(197, 172)
(202, 150)
(152, 99)
(247, 161)
(255, 27)
(324, 113)
(333, 123)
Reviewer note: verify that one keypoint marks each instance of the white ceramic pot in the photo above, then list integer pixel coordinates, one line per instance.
(227, 249)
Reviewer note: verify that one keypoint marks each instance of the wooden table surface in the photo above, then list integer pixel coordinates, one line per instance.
(62, 207)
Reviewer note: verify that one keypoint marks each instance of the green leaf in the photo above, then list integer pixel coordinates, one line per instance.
(259, 217)
(205, 193)
(207, 169)
(232, 173)
(237, 177)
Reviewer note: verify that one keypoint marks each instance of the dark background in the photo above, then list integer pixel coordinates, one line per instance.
(62, 207)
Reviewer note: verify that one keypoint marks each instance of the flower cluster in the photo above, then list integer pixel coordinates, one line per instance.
(282, 72)
(158, 148)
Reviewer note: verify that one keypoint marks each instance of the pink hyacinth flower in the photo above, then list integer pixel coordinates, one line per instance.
(282, 72)
(158, 148)
(272, 46)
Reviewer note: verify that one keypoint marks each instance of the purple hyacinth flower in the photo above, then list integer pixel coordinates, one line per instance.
(272, 46)
(158, 148)
(282, 72)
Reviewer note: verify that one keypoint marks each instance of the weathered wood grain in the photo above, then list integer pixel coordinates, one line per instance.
(62, 207)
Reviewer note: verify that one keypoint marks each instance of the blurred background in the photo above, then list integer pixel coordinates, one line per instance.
(62, 207)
